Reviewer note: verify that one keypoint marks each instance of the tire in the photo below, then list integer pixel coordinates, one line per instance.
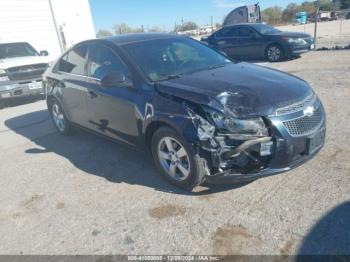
(187, 168)
(59, 118)
(274, 53)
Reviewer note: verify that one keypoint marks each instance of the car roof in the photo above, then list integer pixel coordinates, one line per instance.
(139, 37)
(245, 24)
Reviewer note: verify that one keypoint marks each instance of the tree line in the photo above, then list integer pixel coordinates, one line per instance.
(277, 15)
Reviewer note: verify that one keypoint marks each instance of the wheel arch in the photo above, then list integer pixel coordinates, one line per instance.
(50, 99)
(151, 129)
(181, 125)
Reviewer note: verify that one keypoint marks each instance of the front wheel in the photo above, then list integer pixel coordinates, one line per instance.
(274, 53)
(176, 159)
(59, 118)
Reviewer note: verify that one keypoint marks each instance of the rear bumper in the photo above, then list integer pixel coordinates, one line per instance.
(21, 89)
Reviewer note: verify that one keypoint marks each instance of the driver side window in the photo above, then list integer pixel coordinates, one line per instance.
(103, 60)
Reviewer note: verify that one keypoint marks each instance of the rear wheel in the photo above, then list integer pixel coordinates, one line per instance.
(59, 118)
(274, 53)
(176, 159)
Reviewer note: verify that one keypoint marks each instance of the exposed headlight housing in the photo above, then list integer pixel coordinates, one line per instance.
(254, 126)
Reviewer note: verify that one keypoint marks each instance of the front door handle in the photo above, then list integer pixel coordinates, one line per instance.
(92, 94)
(61, 84)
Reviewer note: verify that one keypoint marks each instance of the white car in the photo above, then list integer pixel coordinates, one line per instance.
(21, 68)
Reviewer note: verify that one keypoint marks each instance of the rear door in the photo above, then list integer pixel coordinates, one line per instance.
(112, 110)
(72, 70)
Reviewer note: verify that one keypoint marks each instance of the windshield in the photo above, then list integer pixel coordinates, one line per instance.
(169, 58)
(265, 29)
(16, 50)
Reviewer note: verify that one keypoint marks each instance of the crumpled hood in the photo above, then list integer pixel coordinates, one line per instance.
(21, 61)
(243, 89)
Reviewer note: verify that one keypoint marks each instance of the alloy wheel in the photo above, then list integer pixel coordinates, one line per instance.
(274, 53)
(174, 158)
(58, 117)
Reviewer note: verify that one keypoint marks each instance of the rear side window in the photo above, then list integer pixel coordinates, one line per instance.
(103, 60)
(74, 61)
(61, 64)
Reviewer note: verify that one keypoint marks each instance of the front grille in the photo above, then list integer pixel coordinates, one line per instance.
(305, 125)
(26, 72)
(296, 107)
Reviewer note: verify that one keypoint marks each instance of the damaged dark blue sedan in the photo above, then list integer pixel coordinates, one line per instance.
(202, 116)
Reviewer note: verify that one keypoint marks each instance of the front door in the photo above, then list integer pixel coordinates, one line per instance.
(112, 110)
(227, 40)
(251, 44)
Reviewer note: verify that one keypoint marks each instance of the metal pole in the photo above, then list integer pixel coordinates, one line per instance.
(211, 22)
(56, 28)
(316, 20)
(341, 23)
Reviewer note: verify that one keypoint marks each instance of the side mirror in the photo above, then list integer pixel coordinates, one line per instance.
(116, 79)
(44, 53)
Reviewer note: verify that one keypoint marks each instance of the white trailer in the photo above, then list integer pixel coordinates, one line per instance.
(52, 25)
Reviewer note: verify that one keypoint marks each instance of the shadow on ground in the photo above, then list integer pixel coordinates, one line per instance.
(330, 236)
(13, 102)
(100, 157)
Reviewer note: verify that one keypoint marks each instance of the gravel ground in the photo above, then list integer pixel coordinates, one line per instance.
(85, 195)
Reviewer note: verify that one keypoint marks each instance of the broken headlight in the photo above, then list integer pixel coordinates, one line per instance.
(253, 126)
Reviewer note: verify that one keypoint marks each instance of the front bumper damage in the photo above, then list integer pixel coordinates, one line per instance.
(232, 158)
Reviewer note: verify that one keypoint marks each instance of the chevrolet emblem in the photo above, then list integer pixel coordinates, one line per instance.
(309, 111)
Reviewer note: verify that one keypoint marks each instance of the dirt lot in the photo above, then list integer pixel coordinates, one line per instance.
(86, 195)
(329, 34)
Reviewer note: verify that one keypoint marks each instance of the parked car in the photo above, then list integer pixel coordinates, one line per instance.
(21, 69)
(199, 114)
(259, 41)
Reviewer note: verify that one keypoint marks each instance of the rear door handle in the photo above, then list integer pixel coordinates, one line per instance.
(92, 94)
